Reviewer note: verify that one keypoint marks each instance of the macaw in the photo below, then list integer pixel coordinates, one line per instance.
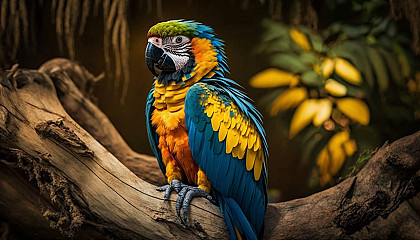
(206, 134)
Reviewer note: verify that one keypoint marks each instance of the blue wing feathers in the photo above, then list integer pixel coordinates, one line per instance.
(207, 163)
(201, 125)
(193, 137)
(247, 188)
(209, 132)
(218, 146)
(242, 199)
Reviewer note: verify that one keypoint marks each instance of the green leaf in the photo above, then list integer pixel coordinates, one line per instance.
(317, 43)
(348, 50)
(274, 29)
(275, 32)
(364, 156)
(365, 66)
(366, 137)
(289, 62)
(309, 142)
(274, 39)
(355, 31)
(309, 58)
(379, 67)
(311, 79)
(393, 65)
(335, 27)
(312, 144)
(385, 42)
(354, 91)
(371, 39)
(380, 27)
(355, 52)
(391, 30)
(274, 46)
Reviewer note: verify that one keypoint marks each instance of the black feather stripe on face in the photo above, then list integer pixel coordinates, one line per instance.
(178, 52)
(168, 77)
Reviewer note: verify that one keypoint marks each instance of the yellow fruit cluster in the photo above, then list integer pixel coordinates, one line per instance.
(316, 111)
(355, 109)
(342, 67)
(300, 39)
(332, 156)
(335, 76)
(273, 77)
(290, 98)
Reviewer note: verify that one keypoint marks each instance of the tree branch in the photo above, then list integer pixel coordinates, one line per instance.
(66, 179)
(68, 77)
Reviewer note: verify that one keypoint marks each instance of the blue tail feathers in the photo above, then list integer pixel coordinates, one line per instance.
(234, 216)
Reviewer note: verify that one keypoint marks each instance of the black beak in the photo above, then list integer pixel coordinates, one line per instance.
(156, 57)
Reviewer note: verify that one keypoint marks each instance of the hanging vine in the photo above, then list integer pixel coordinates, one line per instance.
(13, 24)
(71, 16)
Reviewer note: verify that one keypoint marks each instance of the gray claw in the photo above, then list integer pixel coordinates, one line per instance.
(174, 185)
(184, 199)
(179, 203)
(185, 194)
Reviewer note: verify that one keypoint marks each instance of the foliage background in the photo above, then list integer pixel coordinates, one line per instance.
(238, 23)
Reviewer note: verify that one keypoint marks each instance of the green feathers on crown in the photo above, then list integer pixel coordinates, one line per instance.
(171, 29)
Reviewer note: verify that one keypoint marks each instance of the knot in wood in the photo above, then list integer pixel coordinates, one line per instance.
(352, 216)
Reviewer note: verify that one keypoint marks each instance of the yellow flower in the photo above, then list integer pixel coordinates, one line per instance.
(290, 98)
(271, 78)
(355, 109)
(303, 115)
(331, 158)
(311, 110)
(300, 39)
(326, 68)
(323, 113)
(335, 88)
(347, 71)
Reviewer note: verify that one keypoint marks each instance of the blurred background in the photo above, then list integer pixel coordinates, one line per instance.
(333, 79)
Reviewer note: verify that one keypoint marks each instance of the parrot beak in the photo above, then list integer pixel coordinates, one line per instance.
(157, 60)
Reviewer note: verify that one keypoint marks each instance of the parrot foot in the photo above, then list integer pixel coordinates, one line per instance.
(185, 196)
(174, 185)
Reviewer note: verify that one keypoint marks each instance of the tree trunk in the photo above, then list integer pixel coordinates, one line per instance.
(62, 175)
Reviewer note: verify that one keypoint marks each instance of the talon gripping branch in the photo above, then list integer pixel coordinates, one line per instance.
(205, 132)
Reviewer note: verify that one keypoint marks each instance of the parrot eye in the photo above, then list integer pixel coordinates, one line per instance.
(179, 39)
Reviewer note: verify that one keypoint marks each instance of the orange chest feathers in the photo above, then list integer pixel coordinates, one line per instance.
(169, 120)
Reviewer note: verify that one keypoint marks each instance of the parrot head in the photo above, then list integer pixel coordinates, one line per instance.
(178, 49)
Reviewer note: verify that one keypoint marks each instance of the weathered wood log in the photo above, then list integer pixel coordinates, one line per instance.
(66, 179)
(84, 183)
(68, 77)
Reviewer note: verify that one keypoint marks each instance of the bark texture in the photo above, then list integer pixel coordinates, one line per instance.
(65, 171)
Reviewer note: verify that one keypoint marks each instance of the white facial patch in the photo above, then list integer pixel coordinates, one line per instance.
(178, 48)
